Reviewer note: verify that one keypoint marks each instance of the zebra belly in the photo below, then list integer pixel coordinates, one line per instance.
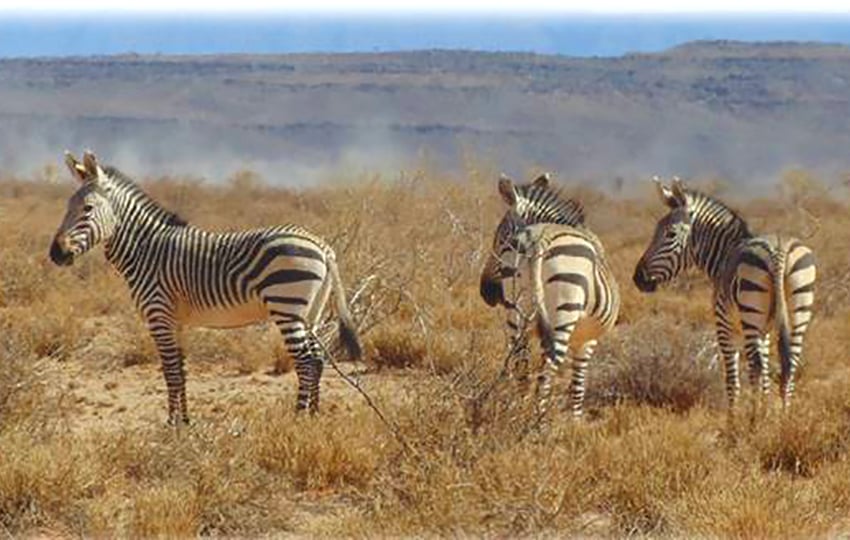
(241, 315)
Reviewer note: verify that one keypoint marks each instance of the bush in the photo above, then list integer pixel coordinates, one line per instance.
(659, 363)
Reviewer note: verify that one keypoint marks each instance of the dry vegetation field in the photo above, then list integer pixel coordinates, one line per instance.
(84, 450)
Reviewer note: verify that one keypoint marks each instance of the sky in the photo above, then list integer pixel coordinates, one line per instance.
(598, 28)
(442, 6)
(96, 33)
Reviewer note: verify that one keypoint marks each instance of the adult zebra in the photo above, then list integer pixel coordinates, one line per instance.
(180, 275)
(528, 204)
(755, 280)
(576, 298)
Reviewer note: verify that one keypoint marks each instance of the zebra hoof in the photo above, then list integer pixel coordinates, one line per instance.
(178, 423)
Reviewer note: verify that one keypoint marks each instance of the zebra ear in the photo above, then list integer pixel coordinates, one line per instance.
(666, 194)
(92, 168)
(507, 190)
(77, 169)
(679, 191)
(543, 180)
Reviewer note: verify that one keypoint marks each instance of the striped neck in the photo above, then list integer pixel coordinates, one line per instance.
(715, 231)
(139, 217)
(536, 204)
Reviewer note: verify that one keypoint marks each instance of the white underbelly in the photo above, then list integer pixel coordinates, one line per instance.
(241, 315)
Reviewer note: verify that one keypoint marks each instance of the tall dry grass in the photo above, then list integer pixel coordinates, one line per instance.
(656, 456)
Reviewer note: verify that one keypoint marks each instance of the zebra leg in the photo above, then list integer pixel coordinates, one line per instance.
(164, 332)
(765, 371)
(521, 355)
(786, 382)
(580, 360)
(727, 348)
(765, 366)
(544, 383)
(297, 342)
(552, 364)
(801, 285)
(757, 353)
(289, 309)
(756, 349)
(517, 363)
(317, 357)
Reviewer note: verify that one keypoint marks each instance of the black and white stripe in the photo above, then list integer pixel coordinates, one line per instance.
(575, 297)
(577, 301)
(180, 275)
(761, 283)
(528, 204)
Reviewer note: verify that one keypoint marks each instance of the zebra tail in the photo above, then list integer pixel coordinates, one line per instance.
(347, 330)
(544, 325)
(781, 307)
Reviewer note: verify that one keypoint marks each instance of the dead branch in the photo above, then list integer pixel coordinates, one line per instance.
(389, 424)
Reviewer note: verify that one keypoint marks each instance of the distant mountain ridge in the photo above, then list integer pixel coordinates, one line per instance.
(745, 111)
(727, 48)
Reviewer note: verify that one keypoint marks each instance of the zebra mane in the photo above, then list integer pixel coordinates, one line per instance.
(129, 185)
(719, 210)
(539, 204)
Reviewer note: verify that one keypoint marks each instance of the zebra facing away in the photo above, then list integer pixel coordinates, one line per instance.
(528, 204)
(180, 275)
(760, 282)
(575, 297)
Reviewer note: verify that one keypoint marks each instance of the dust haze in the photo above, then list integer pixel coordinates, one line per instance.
(744, 113)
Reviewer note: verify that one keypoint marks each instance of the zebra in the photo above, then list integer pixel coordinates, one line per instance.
(760, 282)
(531, 203)
(575, 295)
(180, 275)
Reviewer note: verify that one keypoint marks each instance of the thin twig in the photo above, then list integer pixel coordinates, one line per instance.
(390, 425)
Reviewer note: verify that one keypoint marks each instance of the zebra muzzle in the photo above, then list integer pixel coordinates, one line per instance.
(643, 282)
(59, 256)
(491, 292)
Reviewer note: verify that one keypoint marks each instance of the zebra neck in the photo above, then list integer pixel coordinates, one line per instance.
(140, 224)
(715, 235)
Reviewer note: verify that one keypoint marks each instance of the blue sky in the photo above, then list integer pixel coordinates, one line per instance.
(97, 32)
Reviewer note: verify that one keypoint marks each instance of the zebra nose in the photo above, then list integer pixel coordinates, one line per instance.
(642, 281)
(59, 256)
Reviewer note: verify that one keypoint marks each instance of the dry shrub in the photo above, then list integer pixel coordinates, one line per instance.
(815, 433)
(754, 505)
(22, 393)
(657, 362)
(249, 350)
(41, 486)
(20, 285)
(396, 347)
(109, 343)
(43, 332)
(462, 455)
(320, 453)
(651, 463)
(169, 510)
(282, 361)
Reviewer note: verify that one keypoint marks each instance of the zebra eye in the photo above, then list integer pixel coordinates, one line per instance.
(88, 208)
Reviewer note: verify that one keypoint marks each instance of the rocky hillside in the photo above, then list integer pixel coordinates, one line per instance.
(740, 110)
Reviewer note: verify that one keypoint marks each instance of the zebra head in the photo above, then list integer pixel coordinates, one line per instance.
(89, 218)
(667, 254)
(535, 202)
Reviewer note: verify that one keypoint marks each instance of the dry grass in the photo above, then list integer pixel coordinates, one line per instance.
(84, 451)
